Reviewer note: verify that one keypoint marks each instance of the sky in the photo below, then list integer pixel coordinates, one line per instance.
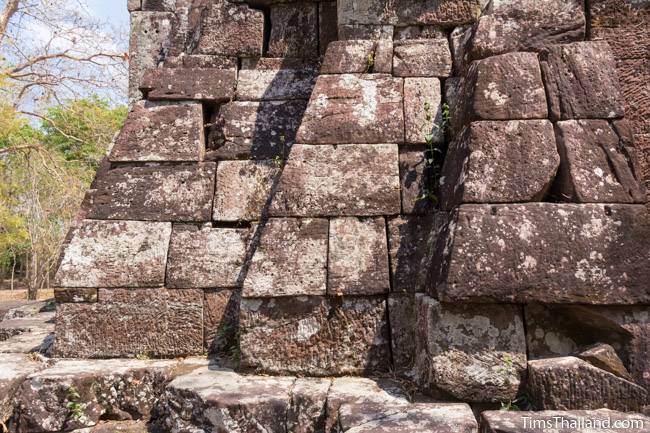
(113, 10)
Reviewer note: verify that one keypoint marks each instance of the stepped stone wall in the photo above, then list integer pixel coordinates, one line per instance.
(450, 191)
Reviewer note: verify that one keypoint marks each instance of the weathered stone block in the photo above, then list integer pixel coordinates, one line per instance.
(316, 335)
(595, 169)
(562, 421)
(357, 256)
(416, 181)
(362, 179)
(294, 30)
(402, 314)
(154, 193)
(581, 82)
(220, 320)
(115, 254)
(596, 254)
(161, 133)
(571, 383)
(472, 352)
(365, 31)
(126, 322)
(291, 259)
(407, 237)
(422, 58)
(275, 84)
(354, 109)
(74, 295)
(327, 25)
(422, 110)
(307, 409)
(206, 257)
(500, 162)
(348, 57)
(257, 130)
(527, 25)
(244, 189)
(200, 61)
(458, 42)
(604, 356)
(410, 12)
(502, 87)
(206, 84)
(14, 368)
(419, 32)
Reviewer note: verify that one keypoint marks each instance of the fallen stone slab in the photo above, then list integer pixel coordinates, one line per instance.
(74, 394)
(577, 421)
(161, 133)
(422, 58)
(596, 254)
(128, 323)
(291, 259)
(31, 324)
(582, 82)
(204, 84)
(33, 334)
(206, 257)
(500, 162)
(154, 193)
(423, 110)
(14, 368)
(294, 32)
(117, 427)
(570, 383)
(596, 168)
(472, 352)
(350, 108)
(114, 254)
(604, 357)
(527, 25)
(316, 336)
(275, 84)
(362, 179)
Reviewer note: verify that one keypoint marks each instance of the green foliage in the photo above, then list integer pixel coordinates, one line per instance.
(75, 409)
(370, 62)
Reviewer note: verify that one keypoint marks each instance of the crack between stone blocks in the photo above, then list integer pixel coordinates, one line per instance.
(289, 404)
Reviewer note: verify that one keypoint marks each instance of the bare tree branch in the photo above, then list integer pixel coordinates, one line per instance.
(10, 9)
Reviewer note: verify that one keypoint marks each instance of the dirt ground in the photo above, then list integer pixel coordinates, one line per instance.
(18, 295)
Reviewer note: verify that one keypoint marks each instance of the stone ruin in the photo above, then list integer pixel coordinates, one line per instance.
(371, 215)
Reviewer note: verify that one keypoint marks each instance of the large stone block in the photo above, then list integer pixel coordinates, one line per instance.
(316, 335)
(231, 30)
(502, 87)
(161, 133)
(408, 237)
(571, 383)
(290, 259)
(115, 254)
(423, 110)
(416, 180)
(471, 352)
(275, 84)
(345, 180)
(577, 421)
(14, 368)
(500, 162)
(257, 130)
(154, 193)
(294, 30)
(447, 13)
(422, 58)
(527, 25)
(126, 322)
(402, 316)
(221, 321)
(581, 82)
(349, 108)
(596, 168)
(349, 57)
(357, 256)
(206, 84)
(595, 253)
(244, 189)
(206, 257)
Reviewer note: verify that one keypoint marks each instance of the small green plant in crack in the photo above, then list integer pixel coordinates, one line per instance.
(279, 159)
(75, 408)
(519, 403)
(370, 62)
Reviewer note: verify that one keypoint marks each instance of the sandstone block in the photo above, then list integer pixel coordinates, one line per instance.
(14, 368)
(596, 169)
(458, 43)
(362, 179)
(416, 181)
(500, 162)
(401, 313)
(294, 32)
(257, 130)
(365, 31)
(152, 322)
(444, 13)
(581, 82)
(206, 84)
(408, 237)
(604, 357)
(562, 421)
(231, 30)
(33, 334)
(422, 58)
(184, 60)
(244, 189)
(307, 409)
(419, 32)
(115, 254)
(423, 111)
(506, 253)
(349, 57)
(275, 84)
(571, 383)
(291, 259)
(161, 133)
(472, 352)
(315, 336)
(327, 25)
(75, 294)
(357, 256)
(154, 193)
(220, 320)
(527, 25)
(354, 109)
(206, 257)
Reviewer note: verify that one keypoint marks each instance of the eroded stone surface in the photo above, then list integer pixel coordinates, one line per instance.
(500, 162)
(347, 57)
(315, 335)
(362, 179)
(291, 259)
(14, 368)
(349, 108)
(604, 357)
(275, 84)
(595, 253)
(422, 58)
(357, 256)
(411, 12)
(416, 180)
(206, 257)
(189, 83)
(402, 317)
(294, 32)
(423, 110)
(407, 238)
(115, 254)
(220, 320)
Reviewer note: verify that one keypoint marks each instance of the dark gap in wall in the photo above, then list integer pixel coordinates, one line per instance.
(231, 224)
(268, 25)
(588, 19)
(210, 111)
